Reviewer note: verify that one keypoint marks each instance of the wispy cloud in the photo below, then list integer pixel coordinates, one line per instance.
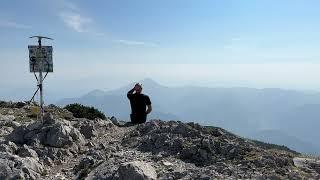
(73, 18)
(76, 21)
(135, 43)
(12, 24)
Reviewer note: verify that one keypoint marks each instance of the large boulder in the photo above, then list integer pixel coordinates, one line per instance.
(137, 170)
(17, 136)
(88, 130)
(15, 167)
(94, 128)
(58, 136)
(52, 132)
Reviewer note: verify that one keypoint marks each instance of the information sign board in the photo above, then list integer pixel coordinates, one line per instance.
(38, 56)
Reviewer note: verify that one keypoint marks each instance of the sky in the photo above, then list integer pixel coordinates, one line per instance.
(104, 44)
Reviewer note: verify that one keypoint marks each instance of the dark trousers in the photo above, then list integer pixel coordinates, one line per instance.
(138, 118)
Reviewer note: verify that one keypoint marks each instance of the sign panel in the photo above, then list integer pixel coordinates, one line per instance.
(40, 57)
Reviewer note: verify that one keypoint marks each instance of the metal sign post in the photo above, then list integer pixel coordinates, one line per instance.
(40, 58)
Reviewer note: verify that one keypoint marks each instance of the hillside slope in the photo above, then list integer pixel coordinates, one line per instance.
(64, 147)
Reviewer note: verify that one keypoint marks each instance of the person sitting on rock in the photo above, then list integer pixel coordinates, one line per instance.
(140, 105)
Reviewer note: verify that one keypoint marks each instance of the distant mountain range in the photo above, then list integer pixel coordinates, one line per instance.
(293, 117)
(279, 137)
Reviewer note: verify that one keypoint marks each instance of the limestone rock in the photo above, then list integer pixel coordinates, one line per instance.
(52, 132)
(114, 120)
(88, 131)
(17, 136)
(137, 170)
(15, 167)
(84, 164)
(9, 147)
(7, 117)
(25, 151)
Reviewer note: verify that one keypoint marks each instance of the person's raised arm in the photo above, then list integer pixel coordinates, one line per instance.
(130, 92)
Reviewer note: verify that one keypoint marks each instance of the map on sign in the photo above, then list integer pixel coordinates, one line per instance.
(40, 56)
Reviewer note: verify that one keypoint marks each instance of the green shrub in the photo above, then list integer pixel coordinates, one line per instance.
(81, 111)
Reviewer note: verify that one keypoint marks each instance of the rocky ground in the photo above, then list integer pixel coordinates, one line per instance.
(65, 147)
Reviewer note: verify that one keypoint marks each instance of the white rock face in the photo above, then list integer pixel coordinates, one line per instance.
(54, 133)
(6, 117)
(307, 163)
(137, 170)
(15, 167)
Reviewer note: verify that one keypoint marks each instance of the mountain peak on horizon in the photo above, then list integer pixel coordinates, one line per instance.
(95, 92)
(149, 82)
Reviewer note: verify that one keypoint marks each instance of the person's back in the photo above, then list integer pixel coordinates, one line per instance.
(140, 105)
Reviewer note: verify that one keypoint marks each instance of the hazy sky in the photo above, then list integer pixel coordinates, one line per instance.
(108, 43)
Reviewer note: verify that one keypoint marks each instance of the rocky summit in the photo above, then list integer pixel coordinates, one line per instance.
(65, 147)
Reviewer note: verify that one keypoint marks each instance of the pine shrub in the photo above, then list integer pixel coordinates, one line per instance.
(81, 111)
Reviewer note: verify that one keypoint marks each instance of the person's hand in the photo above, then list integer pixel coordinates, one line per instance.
(137, 86)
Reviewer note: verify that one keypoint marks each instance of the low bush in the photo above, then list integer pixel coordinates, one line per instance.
(81, 111)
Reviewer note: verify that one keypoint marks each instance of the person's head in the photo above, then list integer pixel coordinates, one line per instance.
(138, 88)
